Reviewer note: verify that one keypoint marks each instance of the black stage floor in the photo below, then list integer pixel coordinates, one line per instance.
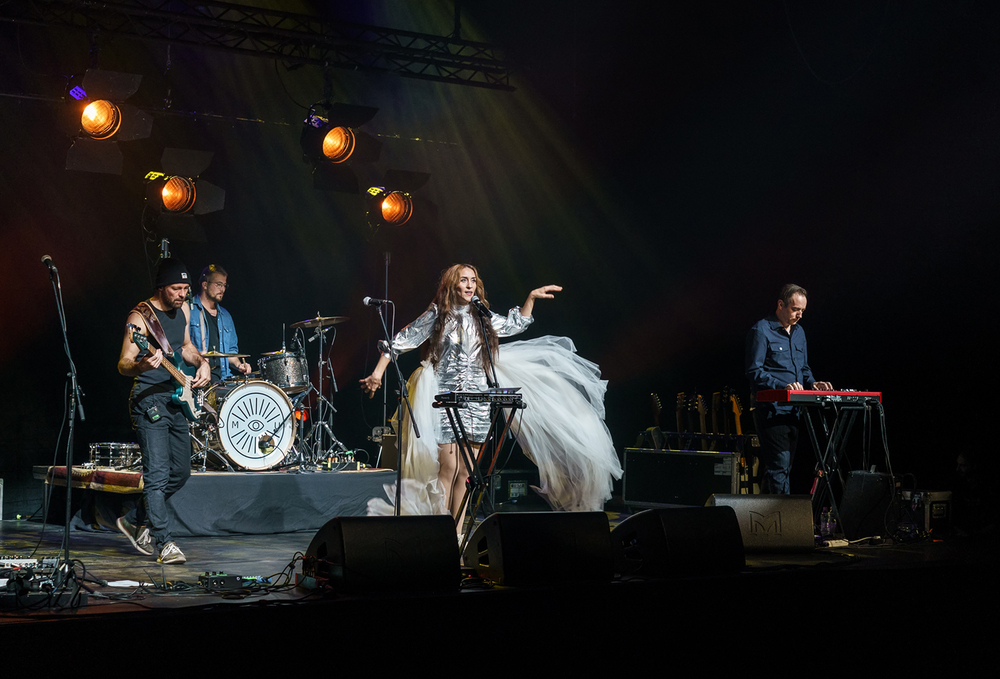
(876, 602)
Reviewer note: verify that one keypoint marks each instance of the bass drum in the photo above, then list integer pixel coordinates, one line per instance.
(256, 428)
(216, 394)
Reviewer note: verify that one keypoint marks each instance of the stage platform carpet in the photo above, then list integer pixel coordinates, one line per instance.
(866, 601)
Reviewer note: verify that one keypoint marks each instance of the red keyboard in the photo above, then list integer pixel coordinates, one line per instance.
(807, 396)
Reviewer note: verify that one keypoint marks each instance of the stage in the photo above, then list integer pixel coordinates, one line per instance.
(221, 503)
(869, 601)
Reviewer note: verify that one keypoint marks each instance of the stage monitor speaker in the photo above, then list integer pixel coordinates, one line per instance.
(530, 548)
(364, 553)
(865, 505)
(676, 541)
(771, 523)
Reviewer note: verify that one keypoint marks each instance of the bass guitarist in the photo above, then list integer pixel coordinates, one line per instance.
(161, 406)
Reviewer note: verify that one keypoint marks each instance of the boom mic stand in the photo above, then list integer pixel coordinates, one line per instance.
(406, 400)
(65, 570)
(475, 483)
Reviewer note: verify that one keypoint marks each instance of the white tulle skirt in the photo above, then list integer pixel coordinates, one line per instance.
(561, 429)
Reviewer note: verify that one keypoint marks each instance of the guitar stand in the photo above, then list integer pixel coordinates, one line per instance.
(476, 484)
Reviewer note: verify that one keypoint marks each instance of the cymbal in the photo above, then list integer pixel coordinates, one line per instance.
(279, 352)
(321, 321)
(219, 354)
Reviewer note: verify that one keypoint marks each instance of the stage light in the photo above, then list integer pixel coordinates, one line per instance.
(101, 119)
(394, 205)
(338, 144)
(97, 118)
(333, 144)
(178, 194)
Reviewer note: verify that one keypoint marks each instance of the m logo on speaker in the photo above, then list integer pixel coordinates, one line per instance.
(769, 524)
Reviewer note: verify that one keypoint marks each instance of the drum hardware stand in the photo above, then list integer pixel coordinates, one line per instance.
(325, 409)
(299, 458)
(202, 447)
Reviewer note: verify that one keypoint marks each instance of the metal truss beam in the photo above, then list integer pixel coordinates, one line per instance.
(296, 38)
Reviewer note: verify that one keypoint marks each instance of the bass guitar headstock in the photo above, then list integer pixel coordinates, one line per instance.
(138, 338)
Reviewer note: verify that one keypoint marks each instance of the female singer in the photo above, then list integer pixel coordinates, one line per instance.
(563, 393)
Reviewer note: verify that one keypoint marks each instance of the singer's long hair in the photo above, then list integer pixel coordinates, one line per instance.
(446, 299)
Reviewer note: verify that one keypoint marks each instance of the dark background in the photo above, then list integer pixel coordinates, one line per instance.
(670, 166)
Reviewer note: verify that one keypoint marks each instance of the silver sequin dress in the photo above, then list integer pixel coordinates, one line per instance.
(461, 365)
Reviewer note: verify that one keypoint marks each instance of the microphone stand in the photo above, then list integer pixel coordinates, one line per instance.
(409, 410)
(65, 570)
(483, 313)
(476, 482)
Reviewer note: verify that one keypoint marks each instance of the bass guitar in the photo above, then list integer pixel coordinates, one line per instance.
(189, 400)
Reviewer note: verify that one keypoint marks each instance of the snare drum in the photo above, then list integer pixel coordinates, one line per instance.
(287, 370)
(115, 455)
(256, 428)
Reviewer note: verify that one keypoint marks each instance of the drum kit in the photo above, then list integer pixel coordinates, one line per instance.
(253, 421)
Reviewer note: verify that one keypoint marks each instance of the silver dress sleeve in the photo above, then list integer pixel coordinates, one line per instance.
(413, 335)
(513, 324)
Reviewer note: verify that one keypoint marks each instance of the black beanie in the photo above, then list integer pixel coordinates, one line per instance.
(171, 271)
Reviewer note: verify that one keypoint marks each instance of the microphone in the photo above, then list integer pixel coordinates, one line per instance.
(371, 301)
(478, 303)
(266, 444)
(47, 261)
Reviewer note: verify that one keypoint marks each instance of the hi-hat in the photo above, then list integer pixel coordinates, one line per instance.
(219, 354)
(321, 321)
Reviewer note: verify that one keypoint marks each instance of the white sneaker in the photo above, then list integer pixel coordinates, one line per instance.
(171, 553)
(143, 542)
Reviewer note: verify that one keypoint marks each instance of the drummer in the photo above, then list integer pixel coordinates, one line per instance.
(212, 326)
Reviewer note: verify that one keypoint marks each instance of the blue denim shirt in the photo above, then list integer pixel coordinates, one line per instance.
(775, 358)
(228, 342)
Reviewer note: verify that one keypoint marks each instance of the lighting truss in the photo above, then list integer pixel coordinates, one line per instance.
(296, 38)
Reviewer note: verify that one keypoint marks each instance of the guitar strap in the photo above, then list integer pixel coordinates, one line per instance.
(145, 309)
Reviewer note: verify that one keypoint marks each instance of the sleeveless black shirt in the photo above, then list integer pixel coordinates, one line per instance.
(156, 381)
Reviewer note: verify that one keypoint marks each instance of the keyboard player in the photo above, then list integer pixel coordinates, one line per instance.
(777, 358)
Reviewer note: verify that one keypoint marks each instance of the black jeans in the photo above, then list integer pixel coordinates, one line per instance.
(166, 459)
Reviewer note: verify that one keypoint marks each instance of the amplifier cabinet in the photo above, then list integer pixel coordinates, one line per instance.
(654, 478)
